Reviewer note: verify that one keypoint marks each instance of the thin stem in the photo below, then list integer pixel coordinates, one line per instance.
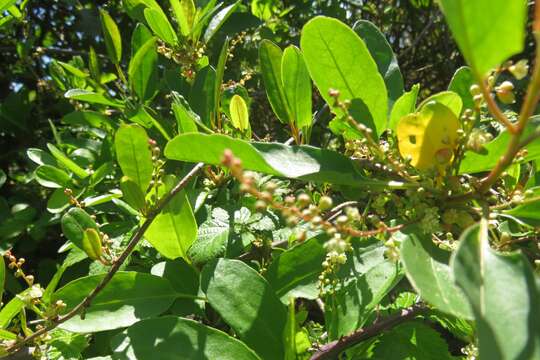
(334, 348)
(494, 108)
(529, 104)
(135, 239)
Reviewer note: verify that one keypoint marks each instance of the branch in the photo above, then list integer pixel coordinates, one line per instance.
(135, 239)
(334, 348)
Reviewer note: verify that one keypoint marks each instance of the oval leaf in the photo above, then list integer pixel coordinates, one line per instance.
(239, 113)
(338, 59)
(297, 86)
(176, 338)
(428, 271)
(128, 298)
(502, 291)
(248, 304)
(486, 44)
(134, 155)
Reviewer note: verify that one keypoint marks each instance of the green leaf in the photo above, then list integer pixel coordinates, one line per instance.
(202, 95)
(176, 338)
(87, 118)
(111, 34)
(127, 298)
(74, 223)
(134, 155)
(487, 40)
(135, 8)
(427, 269)
(412, 340)
(338, 59)
(143, 70)
(52, 177)
(270, 58)
(218, 20)
(184, 12)
(301, 162)
(297, 86)
(91, 97)
(73, 69)
(385, 58)
(174, 230)
(503, 295)
(186, 119)
(184, 278)
(239, 113)
(93, 64)
(248, 304)
(461, 84)
(220, 72)
(67, 162)
(295, 272)
(212, 238)
(405, 105)
(17, 303)
(132, 194)
(160, 25)
(364, 280)
(140, 36)
(41, 157)
(65, 345)
(474, 162)
(447, 98)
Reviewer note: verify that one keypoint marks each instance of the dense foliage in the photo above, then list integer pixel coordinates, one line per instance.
(191, 179)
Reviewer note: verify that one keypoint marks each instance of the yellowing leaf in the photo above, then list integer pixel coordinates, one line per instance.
(239, 113)
(428, 137)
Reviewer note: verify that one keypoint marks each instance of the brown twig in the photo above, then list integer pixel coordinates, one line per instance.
(135, 239)
(334, 348)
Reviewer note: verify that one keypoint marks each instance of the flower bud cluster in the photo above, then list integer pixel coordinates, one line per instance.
(300, 208)
(16, 264)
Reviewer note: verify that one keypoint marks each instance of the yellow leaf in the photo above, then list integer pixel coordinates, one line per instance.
(428, 137)
(239, 113)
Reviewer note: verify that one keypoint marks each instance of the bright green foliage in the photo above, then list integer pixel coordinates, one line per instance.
(338, 59)
(428, 271)
(385, 58)
(247, 303)
(297, 86)
(270, 56)
(111, 34)
(128, 298)
(361, 241)
(488, 32)
(160, 25)
(134, 155)
(502, 290)
(143, 70)
(177, 335)
(174, 229)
